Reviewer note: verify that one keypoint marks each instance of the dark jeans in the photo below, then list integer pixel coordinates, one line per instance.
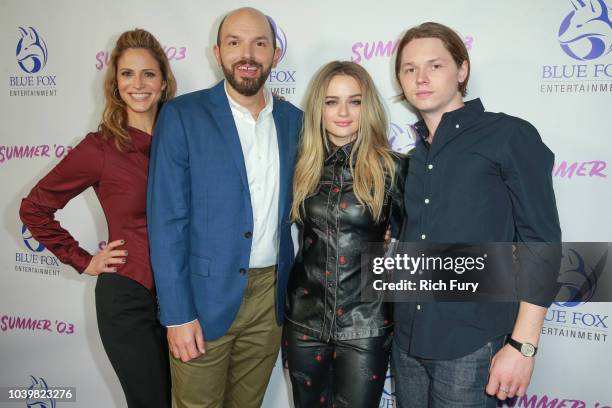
(444, 383)
(339, 374)
(134, 340)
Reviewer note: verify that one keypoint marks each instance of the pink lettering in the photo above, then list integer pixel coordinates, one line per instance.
(563, 170)
(544, 402)
(382, 48)
(24, 152)
(23, 323)
(598, 167)
(355, 50)
(367, 54)
(580, 169)
(46, 325)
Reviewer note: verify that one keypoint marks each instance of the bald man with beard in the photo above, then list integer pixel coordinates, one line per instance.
(218, 202)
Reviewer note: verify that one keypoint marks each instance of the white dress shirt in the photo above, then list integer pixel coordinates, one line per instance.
(260, 152)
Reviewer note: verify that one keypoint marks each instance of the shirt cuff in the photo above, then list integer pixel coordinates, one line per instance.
(179, 325)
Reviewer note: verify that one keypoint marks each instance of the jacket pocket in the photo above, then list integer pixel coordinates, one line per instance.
(199, 265)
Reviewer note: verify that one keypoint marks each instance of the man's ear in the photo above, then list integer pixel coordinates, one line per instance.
(217, 52)
(277, 53)
(463, 71)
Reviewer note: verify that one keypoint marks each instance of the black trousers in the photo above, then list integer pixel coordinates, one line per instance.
(340, 373)
(134, 340)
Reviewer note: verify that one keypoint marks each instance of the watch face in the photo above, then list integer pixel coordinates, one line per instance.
(528, 350)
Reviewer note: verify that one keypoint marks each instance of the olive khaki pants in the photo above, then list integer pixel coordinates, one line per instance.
(235, 370)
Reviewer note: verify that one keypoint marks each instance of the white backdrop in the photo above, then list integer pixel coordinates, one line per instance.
(519, 66)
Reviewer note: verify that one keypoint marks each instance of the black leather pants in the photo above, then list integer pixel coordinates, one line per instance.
(339, 374)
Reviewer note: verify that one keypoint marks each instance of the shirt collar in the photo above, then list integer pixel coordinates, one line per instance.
(338, 153)
(244, 112)
(463, 116)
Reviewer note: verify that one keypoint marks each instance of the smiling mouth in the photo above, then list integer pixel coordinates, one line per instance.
(139, 96)
(247, 70)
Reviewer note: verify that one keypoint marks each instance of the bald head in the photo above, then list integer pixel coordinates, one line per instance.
(246, 16)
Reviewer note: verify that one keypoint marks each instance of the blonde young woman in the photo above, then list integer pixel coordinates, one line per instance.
(114, 161)
(348, 189)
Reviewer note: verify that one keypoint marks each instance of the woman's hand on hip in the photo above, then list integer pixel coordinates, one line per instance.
(106, 259)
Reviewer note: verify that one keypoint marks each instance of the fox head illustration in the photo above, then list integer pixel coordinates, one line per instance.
(586, 32)
(39, 384)
(281, 38)
(31, 51)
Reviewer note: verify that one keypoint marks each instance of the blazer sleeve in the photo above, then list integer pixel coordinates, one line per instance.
(527, 172)
(78, 171)
(168, 209)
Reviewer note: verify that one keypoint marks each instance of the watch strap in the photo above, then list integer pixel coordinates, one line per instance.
(519, 346)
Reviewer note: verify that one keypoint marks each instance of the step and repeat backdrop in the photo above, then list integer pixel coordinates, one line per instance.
(548, 61)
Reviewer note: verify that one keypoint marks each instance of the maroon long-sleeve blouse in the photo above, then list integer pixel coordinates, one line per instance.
(119, 179)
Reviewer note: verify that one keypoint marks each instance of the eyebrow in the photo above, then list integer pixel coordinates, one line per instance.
(236, 37)
(337, 97)
(132, 69)
(428, 61)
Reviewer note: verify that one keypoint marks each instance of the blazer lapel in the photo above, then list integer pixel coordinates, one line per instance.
(285, 168)
(222, 114)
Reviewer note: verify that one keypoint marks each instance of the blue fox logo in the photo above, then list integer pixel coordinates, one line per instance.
(579, 278)
(39, 384)
(29, 241)
(281, 38)
(586, 32)
(31, 51)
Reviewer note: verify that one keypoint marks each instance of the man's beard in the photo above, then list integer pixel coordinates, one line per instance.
(246, 86)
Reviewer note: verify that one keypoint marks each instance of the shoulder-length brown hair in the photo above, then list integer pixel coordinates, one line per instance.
(371, 161)
(114, 118)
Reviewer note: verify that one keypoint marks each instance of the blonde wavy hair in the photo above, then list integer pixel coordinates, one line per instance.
(371, 161)
(114, 118)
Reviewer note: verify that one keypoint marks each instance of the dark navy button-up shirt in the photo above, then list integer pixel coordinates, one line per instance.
(486, 177)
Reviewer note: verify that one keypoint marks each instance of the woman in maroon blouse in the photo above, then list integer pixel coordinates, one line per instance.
(114, 161)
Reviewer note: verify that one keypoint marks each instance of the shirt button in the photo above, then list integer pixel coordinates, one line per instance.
(457, 126)
(427, 201)
(248, 235)
(423, 236)
(430, 166)
(418, 307)
(242, 271)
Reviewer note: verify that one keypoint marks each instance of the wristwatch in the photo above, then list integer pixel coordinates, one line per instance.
(526, 349)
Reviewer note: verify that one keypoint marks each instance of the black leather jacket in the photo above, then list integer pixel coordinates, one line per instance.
(324, 296)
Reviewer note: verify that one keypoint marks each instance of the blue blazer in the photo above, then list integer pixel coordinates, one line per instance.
(199, 209)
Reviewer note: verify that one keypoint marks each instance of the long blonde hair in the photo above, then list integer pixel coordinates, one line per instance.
(114, 118)
(371, 161)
